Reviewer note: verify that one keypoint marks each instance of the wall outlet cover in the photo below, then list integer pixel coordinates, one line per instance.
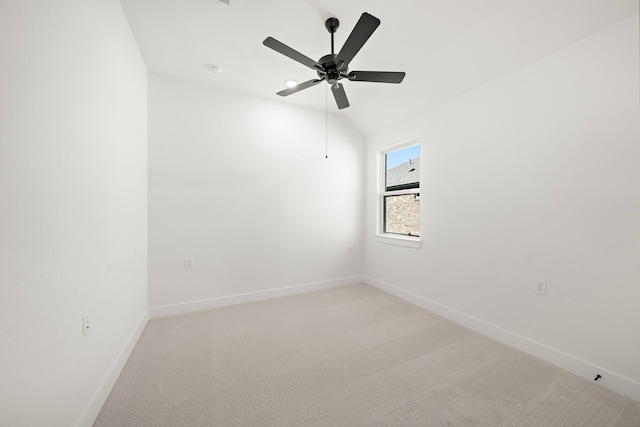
(541, 287)
(86, 326)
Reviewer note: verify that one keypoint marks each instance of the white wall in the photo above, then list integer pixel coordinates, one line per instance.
(534, 175)
(73, 228)
(241, 186)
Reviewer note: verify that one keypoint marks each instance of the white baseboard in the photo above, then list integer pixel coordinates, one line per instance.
(610, 380)
(207, 304)
(92, 410)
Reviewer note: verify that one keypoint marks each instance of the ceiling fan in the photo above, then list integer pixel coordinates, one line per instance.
(332, 68)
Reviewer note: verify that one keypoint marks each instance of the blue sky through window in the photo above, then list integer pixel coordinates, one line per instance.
(401, 156)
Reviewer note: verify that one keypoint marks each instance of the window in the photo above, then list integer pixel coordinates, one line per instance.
(400, 191)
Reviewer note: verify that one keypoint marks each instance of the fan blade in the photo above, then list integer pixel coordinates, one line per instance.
(366, 25)
(376, 76)
(299, 87)
(340, 95)
(291, 53)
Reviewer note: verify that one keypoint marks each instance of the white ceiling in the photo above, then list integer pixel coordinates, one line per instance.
(446, 47)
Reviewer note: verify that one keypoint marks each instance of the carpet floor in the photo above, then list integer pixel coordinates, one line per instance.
(349, 356)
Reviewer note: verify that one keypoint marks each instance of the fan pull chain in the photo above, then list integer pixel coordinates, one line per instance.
(326, 123)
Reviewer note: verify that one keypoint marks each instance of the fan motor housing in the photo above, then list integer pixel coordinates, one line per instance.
(330, 68)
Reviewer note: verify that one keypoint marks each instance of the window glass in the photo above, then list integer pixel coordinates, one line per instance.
(400, 198)
(402, 214)
(402, 168)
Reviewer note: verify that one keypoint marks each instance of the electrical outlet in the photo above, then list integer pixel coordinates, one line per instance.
(188, 264)
(86, 326)
(541, 287)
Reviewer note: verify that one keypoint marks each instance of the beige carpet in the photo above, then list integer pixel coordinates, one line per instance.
(351, 356)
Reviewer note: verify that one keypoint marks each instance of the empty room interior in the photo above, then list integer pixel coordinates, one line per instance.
(319, 213)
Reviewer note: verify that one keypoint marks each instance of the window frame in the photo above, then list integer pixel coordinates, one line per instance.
(381, 235)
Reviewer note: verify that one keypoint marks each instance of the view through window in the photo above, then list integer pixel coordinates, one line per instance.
(401, 192)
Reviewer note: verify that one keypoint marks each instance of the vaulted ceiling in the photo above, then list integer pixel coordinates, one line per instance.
(446, 47)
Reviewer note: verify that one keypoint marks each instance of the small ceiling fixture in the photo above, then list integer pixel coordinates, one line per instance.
(215, 69)
(290, 83)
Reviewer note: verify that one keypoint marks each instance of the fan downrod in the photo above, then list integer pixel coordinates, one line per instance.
(332, 25)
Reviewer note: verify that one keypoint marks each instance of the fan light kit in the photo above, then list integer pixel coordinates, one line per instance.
(332, 68)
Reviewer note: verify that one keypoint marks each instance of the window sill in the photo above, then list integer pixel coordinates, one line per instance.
(409, 242)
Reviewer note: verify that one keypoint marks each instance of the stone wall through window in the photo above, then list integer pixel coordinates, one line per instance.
(402, 214)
